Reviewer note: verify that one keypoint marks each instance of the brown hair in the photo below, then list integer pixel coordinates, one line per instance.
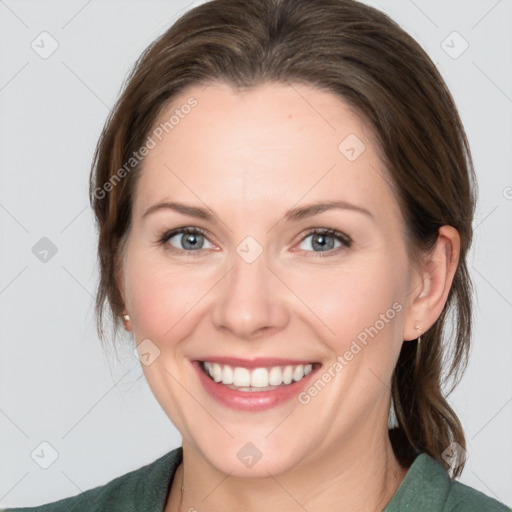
(358, 53)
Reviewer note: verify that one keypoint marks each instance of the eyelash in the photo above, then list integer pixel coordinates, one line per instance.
(345, 240)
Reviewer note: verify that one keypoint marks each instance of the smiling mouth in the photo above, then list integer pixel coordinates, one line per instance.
(256, 379)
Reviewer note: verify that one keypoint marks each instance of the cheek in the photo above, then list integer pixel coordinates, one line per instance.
(162, 297)
(159, 299)
(361, 302)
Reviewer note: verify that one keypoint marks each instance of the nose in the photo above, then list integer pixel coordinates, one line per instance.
(251, 301)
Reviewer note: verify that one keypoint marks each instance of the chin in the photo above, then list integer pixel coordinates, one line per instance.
(253, 456)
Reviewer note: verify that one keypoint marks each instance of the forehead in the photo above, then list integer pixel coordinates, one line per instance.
(269, 145)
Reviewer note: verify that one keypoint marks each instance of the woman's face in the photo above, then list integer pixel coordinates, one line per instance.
(304, 329)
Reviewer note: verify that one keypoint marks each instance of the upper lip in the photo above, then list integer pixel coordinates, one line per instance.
(260, 362)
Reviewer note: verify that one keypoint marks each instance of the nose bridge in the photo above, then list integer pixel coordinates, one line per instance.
(249, 301)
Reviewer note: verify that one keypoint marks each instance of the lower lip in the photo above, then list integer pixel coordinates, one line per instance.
(250, 400)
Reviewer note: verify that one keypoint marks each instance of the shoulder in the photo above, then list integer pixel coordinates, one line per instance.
(467, 499)
(145, 488)
(427, 487)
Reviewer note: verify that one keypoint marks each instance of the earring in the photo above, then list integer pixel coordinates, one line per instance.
(126, 319)
(418, 347)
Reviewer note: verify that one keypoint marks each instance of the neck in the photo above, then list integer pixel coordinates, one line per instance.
(355, 477)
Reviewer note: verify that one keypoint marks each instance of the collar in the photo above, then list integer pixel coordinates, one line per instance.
(426, 486)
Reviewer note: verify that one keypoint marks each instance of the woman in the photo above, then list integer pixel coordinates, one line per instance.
(284, 194)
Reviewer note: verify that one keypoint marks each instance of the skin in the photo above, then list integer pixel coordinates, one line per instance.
(249, 157)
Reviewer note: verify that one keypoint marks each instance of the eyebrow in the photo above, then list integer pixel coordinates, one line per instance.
(292, 215)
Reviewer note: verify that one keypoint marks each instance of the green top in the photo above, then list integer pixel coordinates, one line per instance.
(425, 488)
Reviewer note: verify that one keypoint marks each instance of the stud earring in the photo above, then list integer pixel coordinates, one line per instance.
(126, 319)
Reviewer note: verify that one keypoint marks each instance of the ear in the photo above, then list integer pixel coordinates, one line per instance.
(429, 290)
(119, 274)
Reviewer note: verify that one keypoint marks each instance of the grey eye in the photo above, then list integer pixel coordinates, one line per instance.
(321, 242)
(188, 241)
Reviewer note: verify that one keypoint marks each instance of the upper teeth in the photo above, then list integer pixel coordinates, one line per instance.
(258, 377)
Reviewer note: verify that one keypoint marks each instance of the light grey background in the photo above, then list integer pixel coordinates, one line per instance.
(57, 385)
